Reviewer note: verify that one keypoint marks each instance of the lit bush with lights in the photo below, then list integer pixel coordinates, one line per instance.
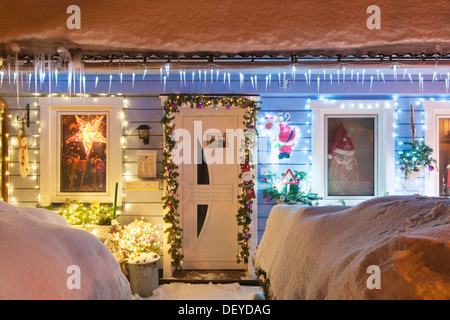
(78, 214)
(140, 238)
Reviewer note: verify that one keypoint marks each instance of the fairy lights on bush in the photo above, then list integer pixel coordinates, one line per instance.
(139, 238)
(78, 214)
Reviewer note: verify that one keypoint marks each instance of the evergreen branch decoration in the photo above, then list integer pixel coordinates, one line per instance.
(300, 192)
(169, 172)
(418, 156)
(76, 213)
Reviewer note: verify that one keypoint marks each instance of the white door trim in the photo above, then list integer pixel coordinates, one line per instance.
(433, 111)
(167, 259)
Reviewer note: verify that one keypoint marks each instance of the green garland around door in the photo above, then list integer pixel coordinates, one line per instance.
(169, 172)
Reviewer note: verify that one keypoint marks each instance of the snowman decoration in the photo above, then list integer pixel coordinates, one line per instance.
(113, 243)
(281, 135)
(24, 168)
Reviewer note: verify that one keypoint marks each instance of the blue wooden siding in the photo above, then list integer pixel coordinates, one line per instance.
(143, 106)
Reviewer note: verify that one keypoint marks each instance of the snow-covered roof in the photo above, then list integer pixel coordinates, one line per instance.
(287, 27)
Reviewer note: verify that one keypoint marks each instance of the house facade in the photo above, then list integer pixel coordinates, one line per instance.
(340, 122)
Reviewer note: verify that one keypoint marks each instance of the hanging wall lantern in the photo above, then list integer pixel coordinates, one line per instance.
(144, 133)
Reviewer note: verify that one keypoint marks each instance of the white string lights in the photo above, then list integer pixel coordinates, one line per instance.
(13, 161)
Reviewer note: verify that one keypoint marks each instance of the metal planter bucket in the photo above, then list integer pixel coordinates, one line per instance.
(143, 276)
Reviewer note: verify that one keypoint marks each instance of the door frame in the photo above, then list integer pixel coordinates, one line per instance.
(168, 269)
(433, 111)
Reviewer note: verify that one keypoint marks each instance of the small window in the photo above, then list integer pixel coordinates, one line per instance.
(202, 170)
(202, 210)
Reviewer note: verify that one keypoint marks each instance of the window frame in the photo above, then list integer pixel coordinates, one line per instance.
(384, 161)
(51, 111)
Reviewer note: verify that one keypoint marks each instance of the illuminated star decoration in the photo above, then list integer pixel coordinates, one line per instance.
(88, 133)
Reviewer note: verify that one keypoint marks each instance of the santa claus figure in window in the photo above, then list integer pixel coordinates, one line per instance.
(343, 175)
(247, 178)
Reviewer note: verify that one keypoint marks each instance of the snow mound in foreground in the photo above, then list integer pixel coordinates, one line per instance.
(38, 247)
(324, 252)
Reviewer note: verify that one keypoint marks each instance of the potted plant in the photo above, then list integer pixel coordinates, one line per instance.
(291, 188)
(141, 246)
(415, 159)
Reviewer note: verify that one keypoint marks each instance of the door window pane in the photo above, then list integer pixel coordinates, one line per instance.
(202, 210)
(202, 170)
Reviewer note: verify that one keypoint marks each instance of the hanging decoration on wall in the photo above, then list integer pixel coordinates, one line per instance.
(169, 173)
(282, 136)
(247, 178)
(417, 157)
(24, 168)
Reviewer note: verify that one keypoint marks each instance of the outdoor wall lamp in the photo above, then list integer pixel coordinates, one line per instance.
(144, 133)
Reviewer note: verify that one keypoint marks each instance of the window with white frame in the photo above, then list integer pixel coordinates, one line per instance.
(81, 155)
(437, 137)
(352, 149)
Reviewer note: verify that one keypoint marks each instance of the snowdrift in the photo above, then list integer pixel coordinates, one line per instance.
(324, 252)
(38, 248)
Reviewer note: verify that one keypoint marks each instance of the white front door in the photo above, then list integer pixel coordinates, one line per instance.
(209, 189)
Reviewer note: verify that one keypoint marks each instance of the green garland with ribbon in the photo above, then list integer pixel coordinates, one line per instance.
(169, 172)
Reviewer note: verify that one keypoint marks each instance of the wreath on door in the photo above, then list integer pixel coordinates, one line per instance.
(169, 172)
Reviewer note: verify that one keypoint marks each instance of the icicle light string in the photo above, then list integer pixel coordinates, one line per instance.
(47, 71)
